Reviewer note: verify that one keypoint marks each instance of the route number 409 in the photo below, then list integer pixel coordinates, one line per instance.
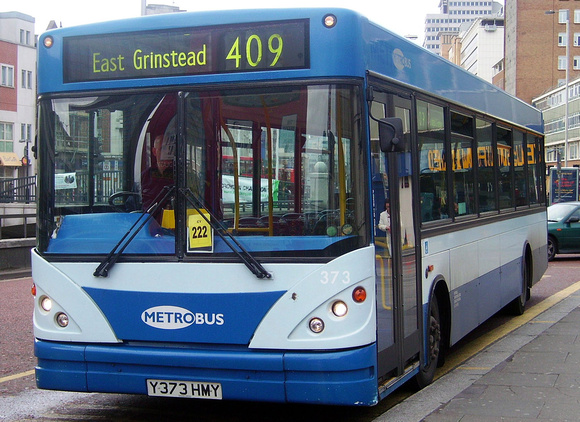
(332, 277)
(254, 50)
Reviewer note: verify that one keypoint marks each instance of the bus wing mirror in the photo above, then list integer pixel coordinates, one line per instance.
(391, 134)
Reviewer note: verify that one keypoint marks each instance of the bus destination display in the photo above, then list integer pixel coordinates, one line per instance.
(187, 51)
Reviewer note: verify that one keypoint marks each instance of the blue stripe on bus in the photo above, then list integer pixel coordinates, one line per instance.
(226, 318)
(337, 377)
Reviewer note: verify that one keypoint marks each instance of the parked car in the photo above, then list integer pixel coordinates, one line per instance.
(563, 228)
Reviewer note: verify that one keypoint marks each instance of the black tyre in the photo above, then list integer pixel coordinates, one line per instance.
(427, 373)
(518, 305)
(552, 248)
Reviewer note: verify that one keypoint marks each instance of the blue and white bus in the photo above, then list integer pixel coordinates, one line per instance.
(211, 190)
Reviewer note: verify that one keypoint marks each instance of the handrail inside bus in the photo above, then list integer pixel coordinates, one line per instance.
(270, 158)
(236, 175)
(103, 269)
(341, 164)
(249, 261)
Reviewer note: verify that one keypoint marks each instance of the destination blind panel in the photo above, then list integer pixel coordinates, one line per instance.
(187, 51)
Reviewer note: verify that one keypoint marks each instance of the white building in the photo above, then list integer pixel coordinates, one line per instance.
(479, 46)
(158, 9)
(452, 14)
(17, 94)
(553, 106)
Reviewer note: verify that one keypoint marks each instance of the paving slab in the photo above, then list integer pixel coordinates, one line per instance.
(531, 374)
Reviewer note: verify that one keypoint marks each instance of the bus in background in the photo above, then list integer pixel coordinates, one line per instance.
(169, 260)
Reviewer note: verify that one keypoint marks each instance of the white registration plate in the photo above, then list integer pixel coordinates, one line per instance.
(186, 389)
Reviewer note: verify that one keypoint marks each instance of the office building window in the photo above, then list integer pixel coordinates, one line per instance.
(26, 79)
(561, 62)
(6, 137)
(7, 75)
(24, 37)
(25, 132)
(573, 150)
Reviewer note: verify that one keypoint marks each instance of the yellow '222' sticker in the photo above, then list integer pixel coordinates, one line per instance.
(200, 231)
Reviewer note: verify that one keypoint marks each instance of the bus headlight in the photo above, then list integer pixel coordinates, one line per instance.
(62, 319)
(339, 308)
(316, 325)
(46, 303)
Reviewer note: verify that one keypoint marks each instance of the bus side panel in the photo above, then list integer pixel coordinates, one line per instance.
(484, 270)
(464, 296)
(488, 259)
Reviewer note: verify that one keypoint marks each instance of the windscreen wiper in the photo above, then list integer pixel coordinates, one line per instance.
(103, 269)
(249, 261)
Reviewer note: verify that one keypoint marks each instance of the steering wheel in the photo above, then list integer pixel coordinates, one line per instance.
(125, 201)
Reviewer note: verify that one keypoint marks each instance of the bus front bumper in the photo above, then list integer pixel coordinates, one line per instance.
(346, 377)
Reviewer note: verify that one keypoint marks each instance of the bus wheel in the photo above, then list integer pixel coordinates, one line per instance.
(427, 373)
(518, 305)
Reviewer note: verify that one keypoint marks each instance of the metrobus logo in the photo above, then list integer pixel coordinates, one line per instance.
(400, 61)
(174, 318)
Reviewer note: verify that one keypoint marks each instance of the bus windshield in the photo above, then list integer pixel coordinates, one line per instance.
(278, 168)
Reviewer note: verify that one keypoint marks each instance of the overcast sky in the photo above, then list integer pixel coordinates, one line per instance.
(402, 17)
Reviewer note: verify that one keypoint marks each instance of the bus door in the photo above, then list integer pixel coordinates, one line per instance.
(398, 296)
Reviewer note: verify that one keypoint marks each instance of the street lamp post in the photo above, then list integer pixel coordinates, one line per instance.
(566, 124)
(567, 69)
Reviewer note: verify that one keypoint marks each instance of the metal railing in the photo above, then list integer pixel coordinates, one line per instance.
(20, 190)
(20, 230)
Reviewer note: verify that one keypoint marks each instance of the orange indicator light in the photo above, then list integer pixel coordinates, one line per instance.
(359, 294)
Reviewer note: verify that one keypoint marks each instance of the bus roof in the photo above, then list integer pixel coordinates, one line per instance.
(331, 52)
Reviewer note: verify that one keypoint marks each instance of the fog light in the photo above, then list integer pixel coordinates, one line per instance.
(316, 325)
(46, 303)
(62, 319)
(359, 294)
(339, 308)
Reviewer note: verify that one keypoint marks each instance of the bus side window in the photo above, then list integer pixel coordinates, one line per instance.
(432, 165)
(462, 131)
